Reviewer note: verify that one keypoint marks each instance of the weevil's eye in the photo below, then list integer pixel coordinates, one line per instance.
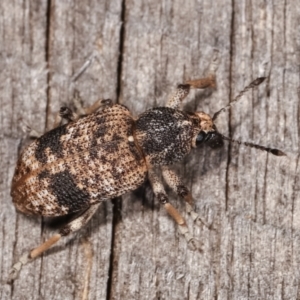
(201, 137)
(214, 140)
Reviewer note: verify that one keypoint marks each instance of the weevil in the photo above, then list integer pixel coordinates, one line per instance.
(107, 152)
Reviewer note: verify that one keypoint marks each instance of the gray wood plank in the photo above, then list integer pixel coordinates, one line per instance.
(251, 250)
(77, 33)
(23, 89)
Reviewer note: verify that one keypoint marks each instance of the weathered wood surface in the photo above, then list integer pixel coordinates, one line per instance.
(135, 52)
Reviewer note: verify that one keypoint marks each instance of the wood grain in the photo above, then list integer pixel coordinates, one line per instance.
(135, 52)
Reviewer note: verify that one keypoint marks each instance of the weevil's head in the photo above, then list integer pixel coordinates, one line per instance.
(206, 132)
(166, 135)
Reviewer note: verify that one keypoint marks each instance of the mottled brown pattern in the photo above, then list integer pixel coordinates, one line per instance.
(79, 164)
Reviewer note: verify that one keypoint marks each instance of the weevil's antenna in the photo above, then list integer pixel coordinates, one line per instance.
(256, 146)
(253, 84)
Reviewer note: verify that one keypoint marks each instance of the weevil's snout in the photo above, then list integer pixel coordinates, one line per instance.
(208, 133)
(212, 138)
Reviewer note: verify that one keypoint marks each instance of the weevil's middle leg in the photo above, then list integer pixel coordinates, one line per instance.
(161, 195)
(174, 181)
(72, 226)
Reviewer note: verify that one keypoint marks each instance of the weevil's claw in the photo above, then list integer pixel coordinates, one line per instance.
(199, 220)
(16, 268)
(193, 243)
(214, 63)
(28, 131)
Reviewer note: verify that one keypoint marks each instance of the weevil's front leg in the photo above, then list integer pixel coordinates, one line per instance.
(183, 89)
(174, 181)
(161, 195)
(72, 226)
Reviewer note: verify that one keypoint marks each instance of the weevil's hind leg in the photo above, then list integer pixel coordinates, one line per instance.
(174, 181)
(29, 132)
(183, 89)
(72, 226)
(69, 115)
(161, 195)
(65, 113)
(82, 111)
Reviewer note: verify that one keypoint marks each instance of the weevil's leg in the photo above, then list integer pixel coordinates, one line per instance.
(181, 92)
(174, 181)
(28, 131)
(65, 113)
(98, 104)
(82, 111)
(72, 226)
(161, 195)
(183, 89)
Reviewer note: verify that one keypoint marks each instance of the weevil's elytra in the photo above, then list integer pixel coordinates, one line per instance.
(78, 164)
(108, 152)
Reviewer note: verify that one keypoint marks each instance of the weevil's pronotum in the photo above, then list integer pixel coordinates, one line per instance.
(107, 152)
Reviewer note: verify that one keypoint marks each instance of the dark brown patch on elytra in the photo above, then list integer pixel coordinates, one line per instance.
(100, 119)
(97, 137)
(50, 140)
(44, 174)
(111, 147)
(63, 186)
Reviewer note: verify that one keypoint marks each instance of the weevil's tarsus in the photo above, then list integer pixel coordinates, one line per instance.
(253, 84)
(161, 195)
(29, 257)
(214, 63)
(193, 244)
(28, 131)
(71, 227)
(176, 184)
(273, 151)
(16, 268)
